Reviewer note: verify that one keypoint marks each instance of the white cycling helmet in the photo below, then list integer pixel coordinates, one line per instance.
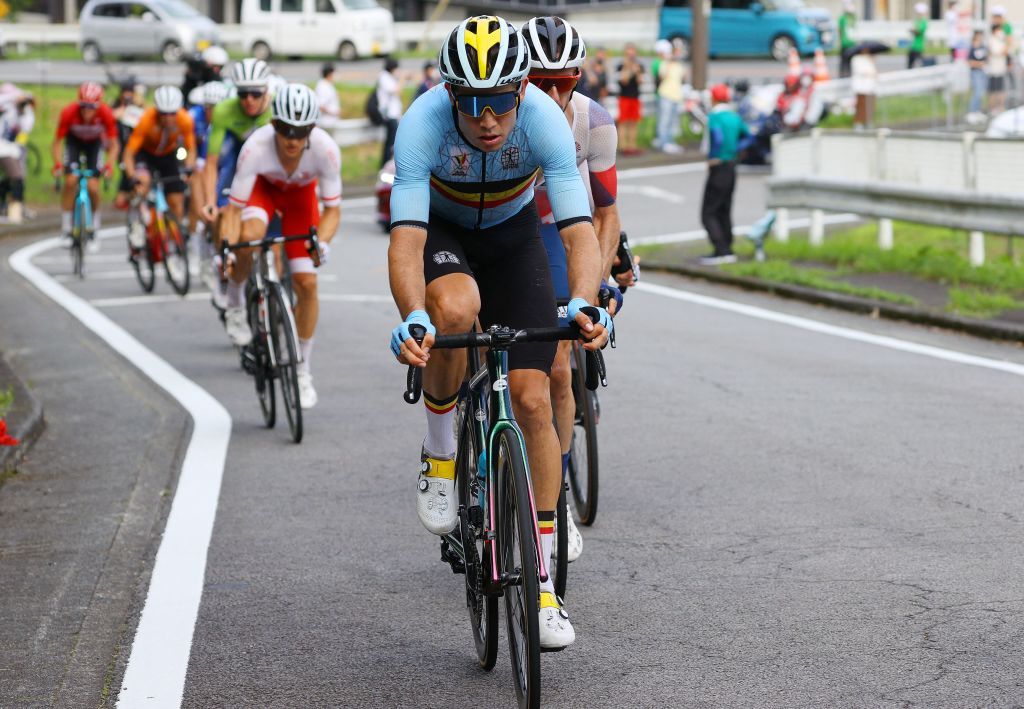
(195, 96)
(168, 99)
(215, 56)
(296, 105)
(250, 74)
(214, 92)
(553, 44)
(483, 52)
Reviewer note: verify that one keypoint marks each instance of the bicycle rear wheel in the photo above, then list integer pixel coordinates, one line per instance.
(282, 335)
(176, 255)
(518, 555)
(483, 608)
(583, 459)
(262, 366)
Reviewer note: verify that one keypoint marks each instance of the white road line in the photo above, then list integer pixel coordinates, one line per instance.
(114, 275)
(652, 192)
(149, 299)
(155, 676)
(699, 234)
(845, 333)
(658, 171)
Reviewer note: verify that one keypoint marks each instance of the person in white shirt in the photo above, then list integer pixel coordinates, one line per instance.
(389, 99)
(327, 97)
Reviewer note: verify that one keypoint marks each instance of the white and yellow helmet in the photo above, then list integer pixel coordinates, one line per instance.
(483, 52)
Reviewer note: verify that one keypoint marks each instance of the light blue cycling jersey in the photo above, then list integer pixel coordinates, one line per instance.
(437, 170)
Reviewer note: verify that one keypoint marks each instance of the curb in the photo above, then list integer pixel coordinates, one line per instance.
(864, 306)
(25, 420)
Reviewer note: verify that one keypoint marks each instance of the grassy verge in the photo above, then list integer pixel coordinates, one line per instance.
(359, 163)
(897, 110)
(783, 272)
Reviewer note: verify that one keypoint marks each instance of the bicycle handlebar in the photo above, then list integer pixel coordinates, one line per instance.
(267, 241)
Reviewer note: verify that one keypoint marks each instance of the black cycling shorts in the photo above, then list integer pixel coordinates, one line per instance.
(510, 266)
(85, 154)
(166, 165)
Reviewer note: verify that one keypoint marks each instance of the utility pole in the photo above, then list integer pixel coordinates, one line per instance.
(699, 43)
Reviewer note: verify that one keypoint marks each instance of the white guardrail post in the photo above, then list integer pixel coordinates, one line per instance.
(976, 250)
(885, 241)
(817, 233)
(781, 213)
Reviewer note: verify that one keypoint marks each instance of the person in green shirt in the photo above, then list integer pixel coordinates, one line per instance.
(847, 21)
(918, 30)
(724, 130)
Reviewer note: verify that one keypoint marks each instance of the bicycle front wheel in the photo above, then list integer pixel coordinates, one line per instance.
(258, 352)
(176, 255)
(142, 259)
(517, 550)
(583, 460)
(78, 240)
(282, 335)
(483, 608)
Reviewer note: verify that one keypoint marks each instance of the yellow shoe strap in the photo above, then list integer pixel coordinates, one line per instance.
(440, 469)
(548, 600)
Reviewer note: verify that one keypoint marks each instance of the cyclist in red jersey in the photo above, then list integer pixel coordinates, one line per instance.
(85, 127)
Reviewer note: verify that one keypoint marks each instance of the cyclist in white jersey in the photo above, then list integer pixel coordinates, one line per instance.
(557, 54)
(278, 170)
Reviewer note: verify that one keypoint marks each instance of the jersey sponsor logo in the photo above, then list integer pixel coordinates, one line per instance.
(442, 257)
(510, 157)
(460, 165)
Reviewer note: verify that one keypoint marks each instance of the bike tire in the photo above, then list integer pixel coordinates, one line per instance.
(142, 263)
(282, 335)
(33, 160)
(517, 549)
(77, 239)
(583, 455)
(482, 607)
(175, 255)
(559, 568)
(263, 368)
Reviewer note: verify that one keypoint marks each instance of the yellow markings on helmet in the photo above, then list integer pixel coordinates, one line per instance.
(481, 40)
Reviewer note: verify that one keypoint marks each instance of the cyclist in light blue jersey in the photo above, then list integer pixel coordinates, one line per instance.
(465, 243)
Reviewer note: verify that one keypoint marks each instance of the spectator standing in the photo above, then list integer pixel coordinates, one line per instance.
(997, 69)
(594, 79)
(864, 84)
(671, 75)
(954, 36)
(327, 95)
(999, 20)
(977, 60)
(847, 22)
(918, 30)
(431, 78)
(389, 100)
(724, 130)
(630, 72)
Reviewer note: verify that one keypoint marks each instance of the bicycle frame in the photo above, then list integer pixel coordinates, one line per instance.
(83, 195)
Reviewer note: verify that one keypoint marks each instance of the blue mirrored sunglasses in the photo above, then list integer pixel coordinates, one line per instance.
(474, 105)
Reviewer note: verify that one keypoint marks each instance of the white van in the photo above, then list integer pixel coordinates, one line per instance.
(347, 29)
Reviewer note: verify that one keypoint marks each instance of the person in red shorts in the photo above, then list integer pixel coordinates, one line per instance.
(84, 128)
(631, 72)
(278, 171)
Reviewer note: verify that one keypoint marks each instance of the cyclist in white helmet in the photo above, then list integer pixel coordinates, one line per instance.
(557, 54)
(278, 171)
(203, 99)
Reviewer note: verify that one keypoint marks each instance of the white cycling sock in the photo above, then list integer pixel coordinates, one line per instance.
(546, 525)
(305, 352)
(96, 221)
(236, 294)
(440, 440)
(65, 222)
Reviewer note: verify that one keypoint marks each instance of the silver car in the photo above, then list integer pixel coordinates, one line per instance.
(169, 28)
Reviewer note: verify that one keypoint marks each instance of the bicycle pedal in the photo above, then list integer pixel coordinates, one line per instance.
(450, 557)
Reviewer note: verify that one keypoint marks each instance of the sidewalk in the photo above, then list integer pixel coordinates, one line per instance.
(925, 300)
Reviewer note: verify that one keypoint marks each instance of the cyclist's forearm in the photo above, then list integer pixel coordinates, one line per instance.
(210, 178)
(231, 223)
(329, 223)
(129, 163)
(607, 226)
(405, 269)
(583, 255)
(55, 151)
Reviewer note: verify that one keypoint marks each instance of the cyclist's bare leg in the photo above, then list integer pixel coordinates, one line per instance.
(176, 201)
(531, 403)
(307, 305)
(67, 202)
(453, 302)
(93, 185)
(561, 395)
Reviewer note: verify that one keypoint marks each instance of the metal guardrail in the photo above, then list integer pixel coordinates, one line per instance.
(960, 181)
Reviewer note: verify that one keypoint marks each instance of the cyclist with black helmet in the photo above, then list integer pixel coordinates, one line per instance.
(278, 171)
(557, 55)
(465, 243)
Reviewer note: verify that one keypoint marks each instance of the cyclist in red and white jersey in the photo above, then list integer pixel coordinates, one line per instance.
(278, 171)
(84, 128)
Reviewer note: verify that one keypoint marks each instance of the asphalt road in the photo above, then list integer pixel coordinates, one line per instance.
(366, 71)
(789, 517)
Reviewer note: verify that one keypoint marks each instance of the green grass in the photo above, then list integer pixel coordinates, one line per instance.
(6, 401)
(976, 303)
(53, 52)
(783, 272)
(896, 110)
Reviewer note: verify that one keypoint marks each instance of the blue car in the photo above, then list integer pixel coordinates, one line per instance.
(753, 27)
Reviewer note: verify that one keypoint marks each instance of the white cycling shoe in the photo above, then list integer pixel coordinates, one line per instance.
(307, 394)
(556, 632)
(237, 327)
(436, 505)
(574, 546)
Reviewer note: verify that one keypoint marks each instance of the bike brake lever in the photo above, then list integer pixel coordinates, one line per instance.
(414, 377)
